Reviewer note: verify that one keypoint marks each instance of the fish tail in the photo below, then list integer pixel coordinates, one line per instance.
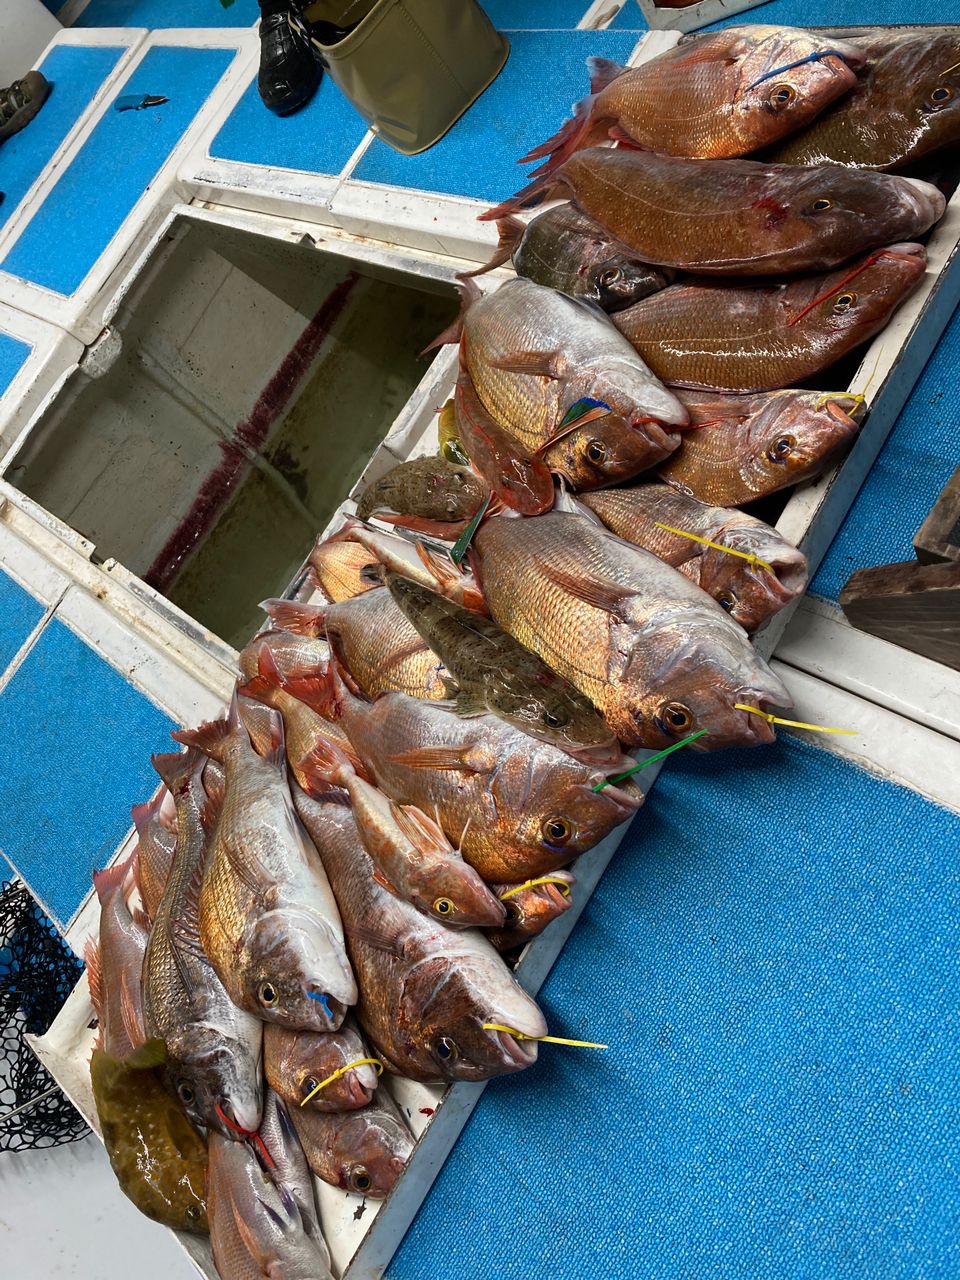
(542, 188)
(143, 814)
(325, 765)
(274, 750)
(297, 618)
(209, 738)
(470, 292)
(510, 231)
(603, 72)
(267, 681)
(106, 882)
(584, 128)
(176, 768)
(91, 956)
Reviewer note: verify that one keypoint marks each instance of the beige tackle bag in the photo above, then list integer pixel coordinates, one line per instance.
(410, 67)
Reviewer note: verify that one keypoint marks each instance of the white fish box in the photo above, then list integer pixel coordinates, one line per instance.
(78, 231)
(220, 304)
(35, 358)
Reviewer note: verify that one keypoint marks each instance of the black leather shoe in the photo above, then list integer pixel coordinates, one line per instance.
(289, 73)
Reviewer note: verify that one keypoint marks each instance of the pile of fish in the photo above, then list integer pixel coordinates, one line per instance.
(334, 881)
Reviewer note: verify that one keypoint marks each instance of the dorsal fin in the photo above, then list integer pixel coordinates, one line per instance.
(210, 738)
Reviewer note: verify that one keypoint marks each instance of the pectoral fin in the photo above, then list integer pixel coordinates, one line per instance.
(608, 596)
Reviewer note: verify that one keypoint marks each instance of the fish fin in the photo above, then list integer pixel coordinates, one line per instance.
(468, 707)
(210, 738)
(583, 129)
(175, 768)
(383, 882)
(373, 938)
(143, 814)
(325, 765)
(214, 785)
(185, 929)
(510, 231)
(297, 618)
(541, 364)
(210, 812)
(460, 759)
(151, 1054)
(91, 956)
(620, 136)
(450, 687)
(603, 72)
(470, 292)
(608, 596)
(421, 830)
(130, 1014)
(542, 188)
(111, 878)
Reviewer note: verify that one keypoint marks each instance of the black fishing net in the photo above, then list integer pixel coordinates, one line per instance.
(37, 973)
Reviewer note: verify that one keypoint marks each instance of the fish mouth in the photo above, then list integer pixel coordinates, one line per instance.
(358, 1093)
(522, 1053)
(332, 1009)
(602, 755)
(241, 1119)
(930, 200)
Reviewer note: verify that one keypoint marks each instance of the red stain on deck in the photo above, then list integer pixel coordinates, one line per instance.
(249, 436)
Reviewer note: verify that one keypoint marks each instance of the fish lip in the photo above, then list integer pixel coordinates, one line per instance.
(357, 1091)
(601, 755)
(523, 1053)
(232, 1111)
(931, 197)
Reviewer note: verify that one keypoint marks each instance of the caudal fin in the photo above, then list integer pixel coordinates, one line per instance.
(542, 188)
(297, 618)
(469, 294)
(106, 882)
(586, 127)
(210, 738)
(510, 231)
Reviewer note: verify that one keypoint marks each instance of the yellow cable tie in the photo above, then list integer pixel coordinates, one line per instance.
(744, 555)
(530, 884)
(359, 1062)
(858, 399)
(949, 69)
(518, 1035)
(792, 724)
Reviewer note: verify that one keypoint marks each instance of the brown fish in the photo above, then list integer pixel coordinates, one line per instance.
(381, 649)
(657, 655)
(295, 1062)
(425, 991)
(159, 1159)
(361, 1151)
(514, 806)
(763, 337)
(156, 825)
(905, 106)
(338, 565)
(531, 908)
(724, 93)
(428, 487)
(115, 963)
(740, 217)
(748, 446)
(565, 249)
(748, 591)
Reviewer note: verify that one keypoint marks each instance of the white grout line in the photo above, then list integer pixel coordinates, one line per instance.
(18, 659)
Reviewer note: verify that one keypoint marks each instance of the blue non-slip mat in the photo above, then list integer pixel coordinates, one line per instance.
(157, 14)
(13, 356)
(19, 614)
(76, 72)
(630, 16)
(534, 15)
(83, 738)
(920, 455)
(773, 959)
(320, 138)
(87, 206)
(527, 103)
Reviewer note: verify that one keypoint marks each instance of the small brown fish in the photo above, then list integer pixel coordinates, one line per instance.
(565, 249)
(361, 1151)
(428, 487)
(723, 93)
(159, 1159)
(748, 591)
(762, 337)
(494, 673)
(338, 565)
(156, 825)
(380, 648)
(115, 962)
(905, 106)
(740, 217)
(748, 446)
(531, 908)
(295, 1062)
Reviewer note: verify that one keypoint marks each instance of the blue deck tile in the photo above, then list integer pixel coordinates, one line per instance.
(157, 14)
(19, 614)
(535, 15)
(13, 355)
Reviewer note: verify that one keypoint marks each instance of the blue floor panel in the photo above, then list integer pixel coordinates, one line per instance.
(76, 73)
(13, 355)
(157, 14)
(534, 15)
(19, 614)
(773, 959)
(83, 211)
(319, 139)
(84, 739)
(528, 102)
(919, 457)
(630, 17)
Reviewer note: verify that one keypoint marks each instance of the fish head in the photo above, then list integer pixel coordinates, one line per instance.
(840, 204)
(626, 384)
(444, 1009)
(370, 1151)
(786, 77)
(924, 75)
(751, 592)
(797, 435)
(305, 1059)
(297, 973)
(607, 451)
(856, 300)
(532, 909)
(709, 670)
(619, 281)
(451, 891)
(219, 1081)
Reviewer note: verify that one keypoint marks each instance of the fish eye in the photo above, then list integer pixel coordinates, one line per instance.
(309, 1084)
(727, 600)
(844, 302)
(610, 276)
(185, 1093)
(193, 1213)
(941, 94)
(781, 448)
(596, 451)
(359, 1179)
(556, 830)
(822, 203)
(555, 719)
(781, 95)
(513, 913)
(443, 907)
(268, 995)
(447, 1050)
(676, 716)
